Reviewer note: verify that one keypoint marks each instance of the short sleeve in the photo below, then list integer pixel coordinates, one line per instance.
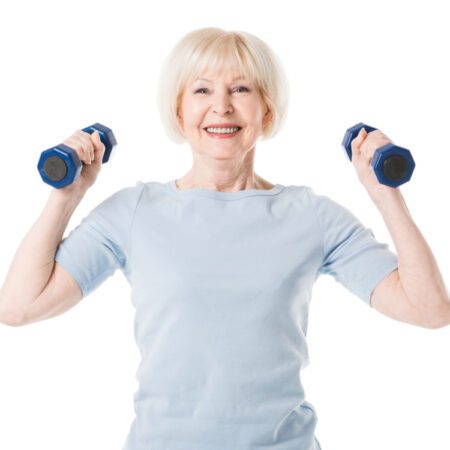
(99, 245)
(351, 254)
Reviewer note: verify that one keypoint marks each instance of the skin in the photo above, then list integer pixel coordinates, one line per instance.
(222, 164)
(415, 292)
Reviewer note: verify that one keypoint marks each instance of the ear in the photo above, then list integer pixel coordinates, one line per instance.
(179, 119)
(267, 118)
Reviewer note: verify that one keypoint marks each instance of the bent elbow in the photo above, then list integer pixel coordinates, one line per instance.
(441, 320)
(442, 323)
(11, 317)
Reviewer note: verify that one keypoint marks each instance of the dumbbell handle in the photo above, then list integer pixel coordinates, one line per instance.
(61, 165)
(393, 165)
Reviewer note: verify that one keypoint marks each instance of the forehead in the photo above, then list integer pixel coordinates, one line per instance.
(220, 73)
(209, 78)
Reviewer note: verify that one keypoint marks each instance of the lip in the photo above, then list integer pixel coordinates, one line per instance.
(222, 125)
(222, 136)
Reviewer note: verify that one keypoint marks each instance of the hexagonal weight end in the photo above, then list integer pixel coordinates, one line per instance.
(393, 165)
(350, 134)
(59, 166)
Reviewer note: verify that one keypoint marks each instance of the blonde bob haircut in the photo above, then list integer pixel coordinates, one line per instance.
(214, 50)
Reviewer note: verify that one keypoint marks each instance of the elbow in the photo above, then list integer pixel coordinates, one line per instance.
(11, 321)
(442, 319)
(10, 317)
(437, 325)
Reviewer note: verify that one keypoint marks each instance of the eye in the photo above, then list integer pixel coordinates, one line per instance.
(204, 89)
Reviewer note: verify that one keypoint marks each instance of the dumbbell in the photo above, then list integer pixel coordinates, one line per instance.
(61, 165)
(393, 165)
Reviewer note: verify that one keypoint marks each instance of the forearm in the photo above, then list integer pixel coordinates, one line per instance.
(33, 262)
(419, 273)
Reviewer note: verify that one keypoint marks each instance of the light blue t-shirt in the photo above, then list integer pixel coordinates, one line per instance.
(221, 284)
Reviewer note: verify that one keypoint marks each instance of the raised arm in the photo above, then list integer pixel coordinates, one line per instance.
(33, 264)
(416, 292)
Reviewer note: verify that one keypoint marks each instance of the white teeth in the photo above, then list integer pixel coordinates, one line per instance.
(222, 130)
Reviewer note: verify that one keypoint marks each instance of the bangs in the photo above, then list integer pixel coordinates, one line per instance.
(222, 56)
(213, 52)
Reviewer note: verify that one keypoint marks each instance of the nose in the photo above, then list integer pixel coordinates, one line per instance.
(222, 104)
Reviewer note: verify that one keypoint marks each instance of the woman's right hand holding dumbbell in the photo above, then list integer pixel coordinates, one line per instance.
(90, 150)
(77, 160)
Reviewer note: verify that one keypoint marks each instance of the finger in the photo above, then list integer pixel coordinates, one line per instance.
(99, 146)
(80, 147)
(376, 140)
(88, 146)
(357, 142)
(96, 141)
(93, 139)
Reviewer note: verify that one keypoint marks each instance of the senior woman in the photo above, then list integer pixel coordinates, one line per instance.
(222, 262)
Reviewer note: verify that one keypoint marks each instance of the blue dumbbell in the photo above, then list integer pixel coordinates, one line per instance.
(61, 165)
(392, 165)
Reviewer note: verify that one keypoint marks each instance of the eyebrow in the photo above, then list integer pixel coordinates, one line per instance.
(234, 79)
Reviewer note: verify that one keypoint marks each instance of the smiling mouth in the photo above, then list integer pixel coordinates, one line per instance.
(223, 133)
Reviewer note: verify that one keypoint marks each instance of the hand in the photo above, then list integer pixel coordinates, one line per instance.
(363, 149)
(90, 150)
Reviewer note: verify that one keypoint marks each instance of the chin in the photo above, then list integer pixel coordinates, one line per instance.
(220, 153)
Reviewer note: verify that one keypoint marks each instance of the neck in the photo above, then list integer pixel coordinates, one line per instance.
(223, 175)
(226, 184)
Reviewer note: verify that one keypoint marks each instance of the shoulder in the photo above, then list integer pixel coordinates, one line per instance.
(327, 211)
(120, 203)
(127, 193)
(307, 196)
(305, 192)
(324, 203)
(297, 193)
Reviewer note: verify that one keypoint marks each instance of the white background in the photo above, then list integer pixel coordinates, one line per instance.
(376, 383)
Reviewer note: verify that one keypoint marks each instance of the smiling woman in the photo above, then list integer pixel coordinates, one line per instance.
(221, 264)
(216, 51)
(221, 91)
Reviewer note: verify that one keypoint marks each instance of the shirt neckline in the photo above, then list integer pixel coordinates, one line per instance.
(219, 195)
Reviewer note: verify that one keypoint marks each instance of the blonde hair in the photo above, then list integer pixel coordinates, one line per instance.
(216, 49)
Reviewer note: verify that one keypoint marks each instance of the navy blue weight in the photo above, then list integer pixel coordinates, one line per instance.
(106, 136)
(63, 157)
(61, 165)
(393, 165)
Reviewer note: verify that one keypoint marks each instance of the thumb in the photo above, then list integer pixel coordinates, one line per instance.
(97, 141)
(362, 134)
(99, 147)
(356, 143)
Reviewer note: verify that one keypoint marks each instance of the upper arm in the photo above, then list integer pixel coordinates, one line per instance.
(61, 293)
(389, 298)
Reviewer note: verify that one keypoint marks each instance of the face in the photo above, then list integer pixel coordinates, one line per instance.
(218, 100)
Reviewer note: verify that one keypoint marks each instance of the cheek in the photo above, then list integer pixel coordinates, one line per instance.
(191, 111)
(255, 124)
(255, 115)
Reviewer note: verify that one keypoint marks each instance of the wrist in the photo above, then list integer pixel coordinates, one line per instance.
(388, 199)
(69, 195)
